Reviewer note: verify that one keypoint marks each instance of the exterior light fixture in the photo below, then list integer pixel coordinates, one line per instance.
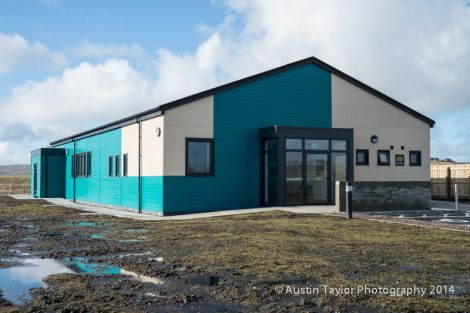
(374, 139)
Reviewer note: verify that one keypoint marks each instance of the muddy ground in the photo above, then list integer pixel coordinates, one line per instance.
(234, 264)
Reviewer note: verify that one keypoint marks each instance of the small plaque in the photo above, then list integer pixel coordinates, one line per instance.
(399, 160)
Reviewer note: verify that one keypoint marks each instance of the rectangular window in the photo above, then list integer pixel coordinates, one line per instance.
(81, 165)
(293, 144)
(124, 164)
(400, 160)
(383, 157)
(73, 165)
(118, 165)
(415, 158)
(339, 145)
(362, 157)
(199, 157)
(88, 164)
(316, 144)
(110, 167)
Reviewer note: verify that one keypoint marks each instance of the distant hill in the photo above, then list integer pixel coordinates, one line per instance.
(14, 170)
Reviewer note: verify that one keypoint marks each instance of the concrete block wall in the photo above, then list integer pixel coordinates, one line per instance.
(383, 196)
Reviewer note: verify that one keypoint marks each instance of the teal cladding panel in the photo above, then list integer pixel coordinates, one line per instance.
(69, 186)
(152, 194)
(297, 97)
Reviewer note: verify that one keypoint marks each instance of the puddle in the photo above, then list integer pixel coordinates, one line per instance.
(96, 236)
(82, 224)
(82, 265)
(16, 281)
(129, 240)
(137, 230)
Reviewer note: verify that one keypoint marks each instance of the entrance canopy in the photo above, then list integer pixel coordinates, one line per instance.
(300, 165)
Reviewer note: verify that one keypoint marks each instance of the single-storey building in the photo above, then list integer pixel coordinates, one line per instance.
(288, 136)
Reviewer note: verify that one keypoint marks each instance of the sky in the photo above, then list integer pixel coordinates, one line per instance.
(67, 66)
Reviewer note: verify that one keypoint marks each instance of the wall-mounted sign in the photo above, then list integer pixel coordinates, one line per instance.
(399, 160)
(374, 139)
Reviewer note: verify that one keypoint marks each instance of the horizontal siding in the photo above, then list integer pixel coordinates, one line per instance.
(298, 97)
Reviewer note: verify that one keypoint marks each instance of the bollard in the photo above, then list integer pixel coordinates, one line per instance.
(348, 200)
(456, 191)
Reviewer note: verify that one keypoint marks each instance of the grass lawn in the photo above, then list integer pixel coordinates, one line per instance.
(255, 254)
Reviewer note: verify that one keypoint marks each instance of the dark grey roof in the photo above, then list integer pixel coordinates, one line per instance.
(311, 60)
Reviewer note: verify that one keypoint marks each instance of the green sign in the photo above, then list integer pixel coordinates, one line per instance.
(399, 160)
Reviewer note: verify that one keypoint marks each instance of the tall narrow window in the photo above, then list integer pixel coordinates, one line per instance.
(415, 158)
(110, 167)
(199, 157)
(124, 165)
(73, 165)
(118, 167)
(88, 164)
(362, 157)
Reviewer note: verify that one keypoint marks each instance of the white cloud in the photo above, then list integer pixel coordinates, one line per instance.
(16, 51)
(106, 50)
(417, 52)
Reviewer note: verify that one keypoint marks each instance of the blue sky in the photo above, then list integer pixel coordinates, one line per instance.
(69, 65)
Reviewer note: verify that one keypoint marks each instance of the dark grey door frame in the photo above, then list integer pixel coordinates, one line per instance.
(284, 132)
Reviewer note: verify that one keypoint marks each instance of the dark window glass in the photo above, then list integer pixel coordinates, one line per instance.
(294, 178)
(415, 158)
(118, 165)
(73, 165)
(316, 144)
(270, 172)
(88, 167)
(383, 157)
(124, 165)
(110, 166)
(339, 145)
(294, 144)
(362, 157)
(199, 155)
(81, 165)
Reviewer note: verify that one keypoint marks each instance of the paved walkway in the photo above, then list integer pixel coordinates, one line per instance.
(150, 217)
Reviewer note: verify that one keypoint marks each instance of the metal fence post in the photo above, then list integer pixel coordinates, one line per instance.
(456, 191)
(348, 200)
(448, 184)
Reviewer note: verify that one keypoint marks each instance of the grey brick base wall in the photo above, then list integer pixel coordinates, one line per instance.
(382, 196)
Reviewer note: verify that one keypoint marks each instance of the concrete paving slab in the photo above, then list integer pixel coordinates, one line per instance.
(150, 217)
(23, 197)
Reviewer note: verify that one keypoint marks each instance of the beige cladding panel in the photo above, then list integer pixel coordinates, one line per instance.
(152, 146)
(192, 120)
(369, 115)
(130, 146)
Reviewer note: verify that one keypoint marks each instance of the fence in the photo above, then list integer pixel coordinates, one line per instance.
(14, 185)
(444, 176)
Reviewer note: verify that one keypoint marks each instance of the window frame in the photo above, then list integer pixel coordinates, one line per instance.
(88, 164)
(379, 163)
(211, 156)
(419, 159)
(110, 166)
(81, 165)
(366, 157)
(125, 164)
(117, 166)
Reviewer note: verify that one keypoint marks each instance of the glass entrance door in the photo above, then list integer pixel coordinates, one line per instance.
(316, 178)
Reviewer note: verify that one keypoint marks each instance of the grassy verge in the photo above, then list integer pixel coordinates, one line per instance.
(255, 253)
